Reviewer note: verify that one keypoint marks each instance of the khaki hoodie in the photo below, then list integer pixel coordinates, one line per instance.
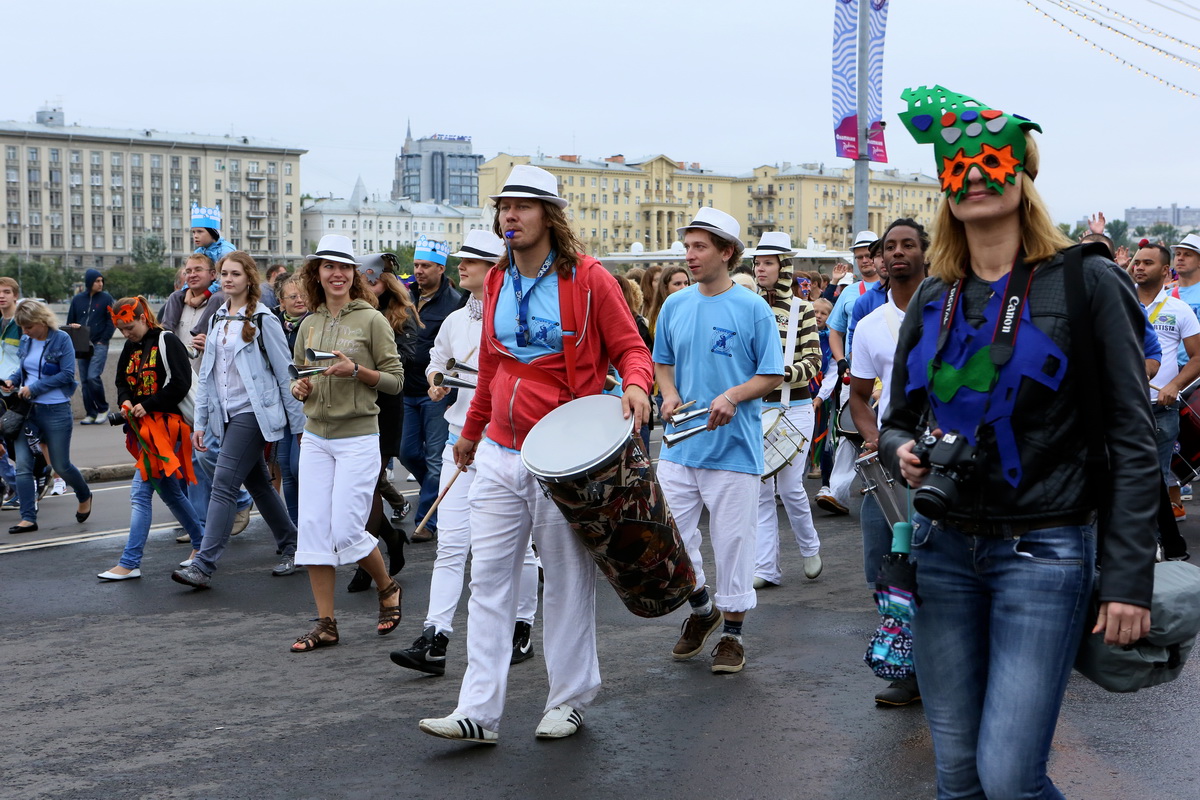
(338, 408)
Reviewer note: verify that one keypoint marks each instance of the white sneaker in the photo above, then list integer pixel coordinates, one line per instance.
(460, 727)
(763, 583)
(60, 486)
(410, 478)
(240, 520)
(559, 722)
(812, 566)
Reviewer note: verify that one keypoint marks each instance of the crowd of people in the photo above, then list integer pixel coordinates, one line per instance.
(963, 362)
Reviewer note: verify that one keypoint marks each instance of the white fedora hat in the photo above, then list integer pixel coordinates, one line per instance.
(714, 221)
(535, 182)
(335, 247)
(864, 239)
(773, 243)
(483, 245)
(1190, 242)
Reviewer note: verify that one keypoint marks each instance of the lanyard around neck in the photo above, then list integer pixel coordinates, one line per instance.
(1004, 337)
(522, 297)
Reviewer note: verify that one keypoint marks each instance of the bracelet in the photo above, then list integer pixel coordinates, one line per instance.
(355, 373)
(727, 400)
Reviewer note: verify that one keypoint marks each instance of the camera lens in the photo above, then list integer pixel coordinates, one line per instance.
(936, 496)
(115, 418)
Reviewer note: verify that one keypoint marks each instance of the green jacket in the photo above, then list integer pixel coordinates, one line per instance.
(338, 408)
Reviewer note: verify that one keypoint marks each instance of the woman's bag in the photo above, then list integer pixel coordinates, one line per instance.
(16, 409)
(1159, 656)
(187, 406)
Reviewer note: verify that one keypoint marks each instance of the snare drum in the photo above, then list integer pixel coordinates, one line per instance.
(891, 494)
(587, 460)
(782, 441)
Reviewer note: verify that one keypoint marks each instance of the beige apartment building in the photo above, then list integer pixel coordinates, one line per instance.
(82, 195)
(618, 201)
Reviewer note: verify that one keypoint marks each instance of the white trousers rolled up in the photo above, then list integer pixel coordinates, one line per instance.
(507, 504)
(842, 476)
(731, 499)
(453, 545)
(789, 483)
(337, 483)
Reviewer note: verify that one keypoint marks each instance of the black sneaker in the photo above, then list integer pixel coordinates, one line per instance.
(522, 647)
(899, 693)
(360, 582)
(398, 514)
(427, 654)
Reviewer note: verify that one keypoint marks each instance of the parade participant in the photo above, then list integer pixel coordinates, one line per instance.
(459, 339)
(153, 377)
(45, 376)
(206, 233)
(242, 401)
(874, 297)
(534, 359)
(721, 349)
(10, 344)
(426, 431)
(396, 305)
(339, 452)
(1176, 326)
(670, 280)
(801, 348)
(1006, 572)
(90, 308)
(291, 312)
(904, 245)
(186, 314)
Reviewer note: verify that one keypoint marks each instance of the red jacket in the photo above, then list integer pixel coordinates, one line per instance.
(508, 405)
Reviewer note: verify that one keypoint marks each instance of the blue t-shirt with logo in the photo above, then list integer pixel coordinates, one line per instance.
(545, 326)
(716, 343)
(1191, 296)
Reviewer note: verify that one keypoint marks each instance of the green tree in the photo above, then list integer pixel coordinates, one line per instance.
(130, 280)
(1163, 232)
(404, 254)
(1118, 231)
(1140, 231)
(1065, 227)
(149, 251)
(46, 279)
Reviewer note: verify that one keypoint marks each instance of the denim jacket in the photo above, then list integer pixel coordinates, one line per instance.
(268, 384)
(60, 351)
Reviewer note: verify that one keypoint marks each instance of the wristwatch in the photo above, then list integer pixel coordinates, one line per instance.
(355, 373)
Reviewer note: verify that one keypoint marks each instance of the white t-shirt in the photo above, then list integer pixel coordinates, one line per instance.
(188, 318)
(875, 349)
(1173, 321)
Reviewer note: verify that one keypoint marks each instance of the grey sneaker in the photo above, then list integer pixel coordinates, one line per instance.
(241, 520)
(696, 630)
(899, 693)
(286, 566)
(191, 576)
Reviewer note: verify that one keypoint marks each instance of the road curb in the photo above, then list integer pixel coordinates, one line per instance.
(112, 472)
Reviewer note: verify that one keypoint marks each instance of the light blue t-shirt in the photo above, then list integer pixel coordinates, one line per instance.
(1191, 296)
(34, 365)
(545, 327)
(716, 343)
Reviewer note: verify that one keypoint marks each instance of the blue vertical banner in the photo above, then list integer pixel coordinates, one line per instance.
(845, 77)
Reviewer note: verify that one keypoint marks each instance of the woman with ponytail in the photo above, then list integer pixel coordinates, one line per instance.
(153, 379)
(243, 397)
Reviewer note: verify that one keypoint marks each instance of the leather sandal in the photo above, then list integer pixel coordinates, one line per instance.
(326, 626)
(389, 616)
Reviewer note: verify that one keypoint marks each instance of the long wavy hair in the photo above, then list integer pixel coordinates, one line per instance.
(309, 278)
(949, 254)
(141, 310)
(253, 290)
(562, 238)
(398, 308)
(650, 288)
(660, 290)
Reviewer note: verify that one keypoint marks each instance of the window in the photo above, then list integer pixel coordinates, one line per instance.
(76, 156)
(33, 153)
(287, 209)
(98, 241)
(175, 162)
(194, 164)
(218, 164)
(118, 240)
(251, 166)
(11, 175)
(331, 224)
(135, 160)
(155, 162)
(116, 180)
(234, 164)
(217, 184)
(289, 245)
(54, 155)
(97, 158)
(287, 168)
(287, 188)
(10, 152)
(115, 159)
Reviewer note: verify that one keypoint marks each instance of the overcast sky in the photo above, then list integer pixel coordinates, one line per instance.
(731, 85)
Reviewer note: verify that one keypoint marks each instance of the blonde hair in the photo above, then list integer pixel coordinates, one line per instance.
(1040, 237)
(31, 312)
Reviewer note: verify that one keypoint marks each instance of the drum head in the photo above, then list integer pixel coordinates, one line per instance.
(770, 418)
(576, 437)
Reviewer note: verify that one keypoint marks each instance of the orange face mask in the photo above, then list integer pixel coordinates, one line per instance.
(125, 315)
(999, 166)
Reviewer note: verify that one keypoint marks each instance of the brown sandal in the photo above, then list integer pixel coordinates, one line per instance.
(326, 626)
(389, 616)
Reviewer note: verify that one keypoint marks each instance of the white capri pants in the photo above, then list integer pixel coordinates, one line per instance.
(453, 545)
(789, 483)
(506, 505)
(731, 499)
(337, 482)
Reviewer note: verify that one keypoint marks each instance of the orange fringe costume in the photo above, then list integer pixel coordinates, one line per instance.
(161, 445)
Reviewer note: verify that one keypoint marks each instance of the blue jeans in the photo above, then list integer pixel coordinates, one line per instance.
(54, 423)
(205, 464)
(8, 470)
(425, 434)
(141, 497)
(994, 640)
(288, 458)
(1166, 432)
(877, 537)
(90, 372)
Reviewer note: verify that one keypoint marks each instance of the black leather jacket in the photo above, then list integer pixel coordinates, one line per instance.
(1050, 427)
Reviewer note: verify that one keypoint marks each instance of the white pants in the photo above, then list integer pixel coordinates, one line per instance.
(453, 544)
(506, 505)
(842, 476)
(337, 483)
(789, 482)
(730, 498)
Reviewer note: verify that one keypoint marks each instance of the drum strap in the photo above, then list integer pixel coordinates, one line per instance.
(566, 308)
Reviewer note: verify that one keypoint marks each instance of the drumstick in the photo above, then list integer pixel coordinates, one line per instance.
(682, 407)
(440, 497)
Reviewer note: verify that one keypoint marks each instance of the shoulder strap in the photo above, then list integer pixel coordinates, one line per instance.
(566, 310)
(789, 348)
(1083, 348)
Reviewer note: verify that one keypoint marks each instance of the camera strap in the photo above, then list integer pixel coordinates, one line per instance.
(1004, 337)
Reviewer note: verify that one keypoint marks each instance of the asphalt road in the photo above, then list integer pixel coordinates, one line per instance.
(148, 689)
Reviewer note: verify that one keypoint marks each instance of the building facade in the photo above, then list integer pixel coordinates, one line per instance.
(438, 169)
(618, 201)
(374, 224)
(82, 195)
(1185, 219)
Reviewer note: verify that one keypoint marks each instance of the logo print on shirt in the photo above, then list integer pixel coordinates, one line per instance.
(545, 333)
(720, 341)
